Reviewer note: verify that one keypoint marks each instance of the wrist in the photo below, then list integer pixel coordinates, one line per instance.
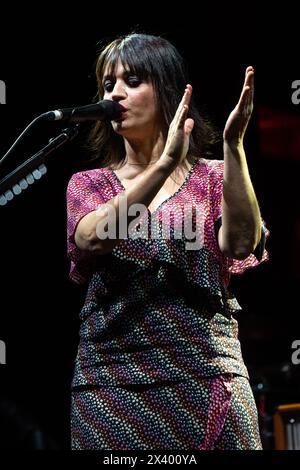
(166, 164)
(234, 144)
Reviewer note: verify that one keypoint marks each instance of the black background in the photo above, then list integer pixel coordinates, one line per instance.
(47, 61)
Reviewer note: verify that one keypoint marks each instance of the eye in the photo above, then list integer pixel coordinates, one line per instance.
(108, 86)
(133, 81)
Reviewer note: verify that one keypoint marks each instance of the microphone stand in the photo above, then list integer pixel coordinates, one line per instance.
(33, 168)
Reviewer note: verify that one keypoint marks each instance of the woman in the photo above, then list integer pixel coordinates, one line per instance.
(159, 363)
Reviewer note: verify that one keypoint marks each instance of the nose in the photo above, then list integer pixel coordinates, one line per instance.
(119, 91)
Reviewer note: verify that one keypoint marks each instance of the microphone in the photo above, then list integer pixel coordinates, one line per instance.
(105, 110)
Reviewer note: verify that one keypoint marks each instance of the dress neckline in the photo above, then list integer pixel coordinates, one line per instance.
(181, 187)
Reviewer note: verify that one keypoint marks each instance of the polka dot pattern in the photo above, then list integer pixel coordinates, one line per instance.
(197, 414)
(155, 313)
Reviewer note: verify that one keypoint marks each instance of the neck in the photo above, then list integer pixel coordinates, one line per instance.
(144, 152)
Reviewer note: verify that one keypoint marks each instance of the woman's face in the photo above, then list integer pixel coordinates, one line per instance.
(140, 117)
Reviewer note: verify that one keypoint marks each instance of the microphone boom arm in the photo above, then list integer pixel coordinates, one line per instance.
(33, 168)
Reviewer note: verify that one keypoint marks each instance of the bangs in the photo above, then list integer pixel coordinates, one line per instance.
(134, 60)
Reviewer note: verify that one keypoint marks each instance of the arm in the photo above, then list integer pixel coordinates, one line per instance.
(241, 221)
(142, 191)
(144, 188)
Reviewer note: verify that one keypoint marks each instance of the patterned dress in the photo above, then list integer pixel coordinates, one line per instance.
(159, 363)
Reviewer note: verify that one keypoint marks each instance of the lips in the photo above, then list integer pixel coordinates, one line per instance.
(123, 113)
(123, 108)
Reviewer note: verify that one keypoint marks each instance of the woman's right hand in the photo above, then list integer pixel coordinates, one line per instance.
(179, 134)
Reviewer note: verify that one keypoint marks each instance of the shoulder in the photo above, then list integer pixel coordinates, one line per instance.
(90, 178)
(89, 175)
(98, 184)
(214, 171)
(209, 167)
(213, 165)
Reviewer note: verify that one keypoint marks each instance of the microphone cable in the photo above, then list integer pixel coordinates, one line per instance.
(31, 124)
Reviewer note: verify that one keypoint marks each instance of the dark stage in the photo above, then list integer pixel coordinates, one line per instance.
(39, 305)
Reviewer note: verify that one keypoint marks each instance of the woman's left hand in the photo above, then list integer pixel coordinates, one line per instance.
(238, 119)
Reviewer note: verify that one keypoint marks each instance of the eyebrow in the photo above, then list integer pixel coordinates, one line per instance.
(125, 74)
(106, 77)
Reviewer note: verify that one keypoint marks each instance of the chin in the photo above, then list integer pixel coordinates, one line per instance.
(124, 130)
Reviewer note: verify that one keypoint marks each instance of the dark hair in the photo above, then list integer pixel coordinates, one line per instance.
(155, 59)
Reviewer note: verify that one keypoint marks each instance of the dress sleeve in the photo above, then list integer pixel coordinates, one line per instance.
(260, 254)
(84, 195)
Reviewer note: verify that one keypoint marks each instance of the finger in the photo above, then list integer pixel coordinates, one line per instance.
(187, 94)
(251, 84)
(246, 98)
(249, 77)
(186, 97)
(185, 100)
(188, 126)
(182, 116)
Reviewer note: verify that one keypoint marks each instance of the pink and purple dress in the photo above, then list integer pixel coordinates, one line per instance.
(159, 363)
